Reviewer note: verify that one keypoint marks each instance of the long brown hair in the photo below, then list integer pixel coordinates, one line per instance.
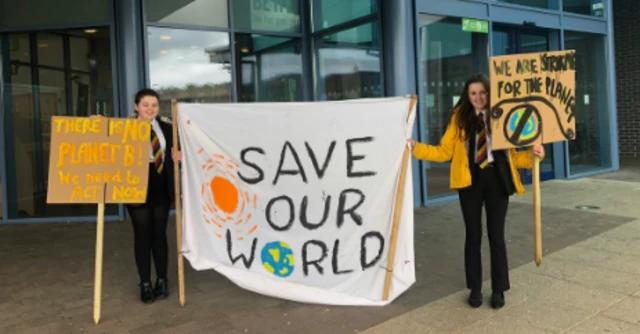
(464, 113)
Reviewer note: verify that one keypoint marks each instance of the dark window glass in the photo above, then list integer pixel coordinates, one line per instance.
(328, 13)
(269, 68)
(348, 64)
(547, 4)
(267, 15)
(448, 56)
(29, 13)
(210, 13)
(585, 7)
(189, 65)
(591, 150)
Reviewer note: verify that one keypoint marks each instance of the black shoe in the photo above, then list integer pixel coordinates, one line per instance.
(162, 288)
(475, 298)
(497, 300)
(146, 293)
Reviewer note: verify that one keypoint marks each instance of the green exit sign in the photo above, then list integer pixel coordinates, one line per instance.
(473, 25)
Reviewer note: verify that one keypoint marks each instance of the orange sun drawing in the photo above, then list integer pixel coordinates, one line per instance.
(224, 200)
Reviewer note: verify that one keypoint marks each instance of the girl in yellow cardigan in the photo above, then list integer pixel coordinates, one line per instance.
(481, 176)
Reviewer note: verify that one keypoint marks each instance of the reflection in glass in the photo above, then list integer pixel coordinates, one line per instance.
(19, 48)
(591, 150)
(80, 84)
(585, 7)
(501, 43)
(81, 50)
(448, 56)
(188, 65)
(211, 13)
(348, 64)
(547, 4)
(269, 69)
(50, 50)
(36, 93)
(328, 13)
(267, 15)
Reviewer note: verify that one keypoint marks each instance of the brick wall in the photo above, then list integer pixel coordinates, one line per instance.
(626, 14)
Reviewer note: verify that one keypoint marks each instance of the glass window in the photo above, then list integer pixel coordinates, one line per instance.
(267, 15)
(585, 7)
(269, 68)
(80, 84)
(591, 150)
(189, 65)
(34, 94)
(548, 4)
(348, 64)
(80, 53)
(19, 48)
(29, 13)
(50, 50)
(211, 13)
(448, 56)
(328, 13)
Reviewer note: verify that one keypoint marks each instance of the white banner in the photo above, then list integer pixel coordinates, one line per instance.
(296, 200)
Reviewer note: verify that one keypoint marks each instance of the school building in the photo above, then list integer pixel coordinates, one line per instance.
(76, 58)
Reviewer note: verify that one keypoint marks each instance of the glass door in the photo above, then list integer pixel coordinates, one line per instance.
(514, 41)
(49, 73)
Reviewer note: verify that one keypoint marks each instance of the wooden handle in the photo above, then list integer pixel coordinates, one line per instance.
(537, 225)
(97, 288)
(178, 202)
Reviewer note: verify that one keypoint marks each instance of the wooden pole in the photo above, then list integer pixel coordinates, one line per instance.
(537, 225)
(97, 289)
(397, 213)
(178, 202)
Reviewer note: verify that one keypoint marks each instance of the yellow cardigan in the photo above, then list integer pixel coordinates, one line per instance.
(453, 148)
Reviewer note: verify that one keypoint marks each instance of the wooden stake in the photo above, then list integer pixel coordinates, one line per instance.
(97, 289)
(397, 213)
(537, 225)
(178, 202)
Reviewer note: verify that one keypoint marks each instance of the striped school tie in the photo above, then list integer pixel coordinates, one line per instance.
(481, 145)
(157, 152)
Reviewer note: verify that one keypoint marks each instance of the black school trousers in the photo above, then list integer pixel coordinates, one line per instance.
(486, 189)
(150, 227)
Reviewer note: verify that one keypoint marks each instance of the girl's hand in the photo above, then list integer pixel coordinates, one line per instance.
(176, 155)
(538, 150)
(412, 143)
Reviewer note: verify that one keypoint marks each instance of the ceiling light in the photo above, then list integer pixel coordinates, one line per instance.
(165, 37)
(164, 52)
(244, 50)
(90, 31)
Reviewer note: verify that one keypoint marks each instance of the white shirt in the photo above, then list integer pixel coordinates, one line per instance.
(489, 150)
(163, 143)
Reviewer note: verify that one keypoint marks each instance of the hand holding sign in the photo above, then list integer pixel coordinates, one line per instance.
(533, 103)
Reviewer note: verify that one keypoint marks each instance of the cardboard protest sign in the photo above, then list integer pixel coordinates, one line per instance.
(98, 160)
(532, 98)
(296, 200)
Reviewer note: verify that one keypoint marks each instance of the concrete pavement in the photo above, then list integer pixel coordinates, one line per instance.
(592, 286)
(588, 281)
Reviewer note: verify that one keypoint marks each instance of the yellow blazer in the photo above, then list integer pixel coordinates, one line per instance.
(452, 148)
